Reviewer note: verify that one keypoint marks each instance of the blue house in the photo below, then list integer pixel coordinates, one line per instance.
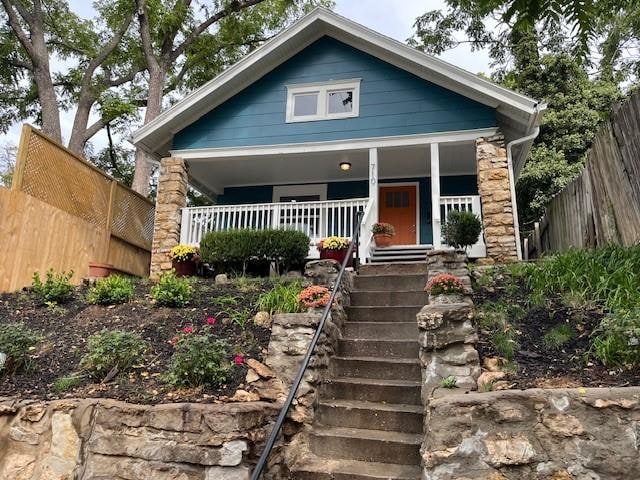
(329, 118)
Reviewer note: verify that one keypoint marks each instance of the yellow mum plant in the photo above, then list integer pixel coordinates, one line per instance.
(182, 253)
(334, 243)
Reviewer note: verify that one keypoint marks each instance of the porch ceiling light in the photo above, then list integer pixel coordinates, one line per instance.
(344, 166)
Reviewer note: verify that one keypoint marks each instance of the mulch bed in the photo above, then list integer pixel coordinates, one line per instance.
(540, 366)
(66, 329)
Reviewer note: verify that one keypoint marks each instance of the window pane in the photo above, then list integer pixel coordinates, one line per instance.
(305, 104)
(340, 101)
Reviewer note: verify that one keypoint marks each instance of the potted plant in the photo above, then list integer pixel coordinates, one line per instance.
(184, 259)
(445, 288)
(334, 248)
(383, 233)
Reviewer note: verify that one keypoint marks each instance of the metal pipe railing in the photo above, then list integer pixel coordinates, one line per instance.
(273, 436)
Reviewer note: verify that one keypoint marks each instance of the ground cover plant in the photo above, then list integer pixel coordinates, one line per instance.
(571, 319)
(111, 290)
(71, 349)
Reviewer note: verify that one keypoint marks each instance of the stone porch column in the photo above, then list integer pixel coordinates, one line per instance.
(170, 199)
(495, 197)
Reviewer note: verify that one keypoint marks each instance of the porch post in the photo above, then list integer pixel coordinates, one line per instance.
(435, 195)
(373, 182)
(170, 199)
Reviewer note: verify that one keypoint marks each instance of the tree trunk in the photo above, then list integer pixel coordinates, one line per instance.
(142, 172)
(79, 138)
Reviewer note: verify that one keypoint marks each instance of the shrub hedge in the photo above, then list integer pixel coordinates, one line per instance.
(238, 249)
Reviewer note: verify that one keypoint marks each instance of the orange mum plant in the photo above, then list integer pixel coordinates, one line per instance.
(444, 283)
(314, 297)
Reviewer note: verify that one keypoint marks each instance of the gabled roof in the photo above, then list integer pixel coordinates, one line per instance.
(517, 114)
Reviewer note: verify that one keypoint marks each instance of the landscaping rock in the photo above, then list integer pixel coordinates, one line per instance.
(222, 279)
(262, 319)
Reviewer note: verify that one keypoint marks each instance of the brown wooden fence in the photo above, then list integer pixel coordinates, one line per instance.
(62, 213)
(602, 205)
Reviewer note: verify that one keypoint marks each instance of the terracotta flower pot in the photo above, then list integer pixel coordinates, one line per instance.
(337, 255)
(185, 268)
(383, 239)
(99, 270)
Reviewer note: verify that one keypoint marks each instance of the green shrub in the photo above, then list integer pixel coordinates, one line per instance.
(556, 337)
(111, 349)
(63, 384)
(199, 360)
(16, 343)
(237, 249)
(112, 290)
(282, 298)
(609, 276)
(449, 382)
(616, 341)
(56, 287)
(172, 291)
(462, 229)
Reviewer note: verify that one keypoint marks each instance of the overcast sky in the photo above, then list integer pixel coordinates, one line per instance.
(394, 18)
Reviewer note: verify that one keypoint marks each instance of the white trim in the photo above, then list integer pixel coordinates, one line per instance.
(298, 190)
(436, 221)
(322, 90)
(307, 30)
(405, 184)
(458, 136)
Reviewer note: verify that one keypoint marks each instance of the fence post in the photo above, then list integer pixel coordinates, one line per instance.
(21, 158)
(525, 249)
(537, 240)
(107, 227)
(185, 228)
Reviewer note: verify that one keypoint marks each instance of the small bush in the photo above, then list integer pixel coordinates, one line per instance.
(111, 349)
(199, 360)
(112, 290)
(237, 249)
(616, 341)
(16, 343)
(172, 291)
(63, 384)
(282, 298)
(56, 287)
(558, 336)
(449, 382)
(462, 229)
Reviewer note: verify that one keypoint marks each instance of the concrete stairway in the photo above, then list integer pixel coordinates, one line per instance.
(403, 254)
(368, 424)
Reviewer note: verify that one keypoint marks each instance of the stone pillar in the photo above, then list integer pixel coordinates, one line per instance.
(170, 199)
(495, 197)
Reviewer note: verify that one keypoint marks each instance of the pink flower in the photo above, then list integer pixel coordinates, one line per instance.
(174, 340)
(238, 359)
(211, 321)
(188, 329)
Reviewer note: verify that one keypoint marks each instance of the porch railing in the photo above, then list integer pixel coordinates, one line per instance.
(316, 219)
(469, 203)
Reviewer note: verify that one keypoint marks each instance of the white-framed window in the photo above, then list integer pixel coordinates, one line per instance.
(323, 100)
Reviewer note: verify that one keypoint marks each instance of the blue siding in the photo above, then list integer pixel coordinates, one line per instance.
(449, 185)
(392, 102)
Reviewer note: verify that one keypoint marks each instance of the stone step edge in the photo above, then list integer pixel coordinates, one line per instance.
(367, 434)
(404, 361)
(379, 406)
(374, 470)
(374, 381)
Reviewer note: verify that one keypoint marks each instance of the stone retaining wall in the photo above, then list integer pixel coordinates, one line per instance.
(107, 439)
(555, 434)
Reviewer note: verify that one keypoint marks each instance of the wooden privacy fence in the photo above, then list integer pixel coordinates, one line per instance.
(602, 205)
(62, 213)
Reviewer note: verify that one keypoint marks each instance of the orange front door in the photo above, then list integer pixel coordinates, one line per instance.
(398, 207)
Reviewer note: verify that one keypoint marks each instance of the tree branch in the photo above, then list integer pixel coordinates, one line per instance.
(235, 6)
(145, 34)
(14, 22)
(111, 45)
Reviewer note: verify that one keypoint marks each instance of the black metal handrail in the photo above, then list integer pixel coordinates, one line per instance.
(262, 462)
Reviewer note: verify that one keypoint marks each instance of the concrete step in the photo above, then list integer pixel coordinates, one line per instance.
(374, 367)
(370, 415)
(317, 468)
(373, 390)
(381, 330)
(395, 268)
(401, 251)
(358, 347)
(413, 282)
(404, 258)
(366, 445)
(405, 313)
(387, 298)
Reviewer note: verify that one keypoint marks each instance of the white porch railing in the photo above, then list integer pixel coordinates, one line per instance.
(316, 219)
(469, 203)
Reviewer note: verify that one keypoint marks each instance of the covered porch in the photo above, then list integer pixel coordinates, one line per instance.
(411, 183)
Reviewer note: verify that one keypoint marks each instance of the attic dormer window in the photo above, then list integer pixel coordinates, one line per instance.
(323, 101)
